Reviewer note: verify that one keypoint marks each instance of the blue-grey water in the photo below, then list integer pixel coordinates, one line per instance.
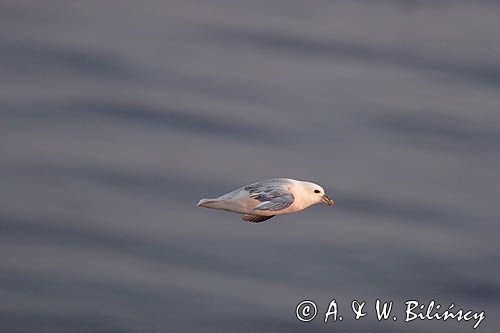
(116, 117)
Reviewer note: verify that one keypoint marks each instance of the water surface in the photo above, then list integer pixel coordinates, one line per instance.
(116, 117)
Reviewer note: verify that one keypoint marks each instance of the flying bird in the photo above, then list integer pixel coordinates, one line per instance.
(261, 201)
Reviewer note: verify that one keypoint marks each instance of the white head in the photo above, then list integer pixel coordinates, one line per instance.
(313, 194)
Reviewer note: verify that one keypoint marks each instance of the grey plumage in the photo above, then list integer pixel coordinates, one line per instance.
(271, 193)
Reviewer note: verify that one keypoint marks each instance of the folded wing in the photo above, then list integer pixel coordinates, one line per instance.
(273, 194)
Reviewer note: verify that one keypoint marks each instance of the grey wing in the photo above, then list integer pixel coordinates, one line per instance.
(272, 194)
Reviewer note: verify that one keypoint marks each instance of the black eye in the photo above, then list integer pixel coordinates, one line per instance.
(316, 191)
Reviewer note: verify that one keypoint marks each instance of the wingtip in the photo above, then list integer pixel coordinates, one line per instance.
(256, 218)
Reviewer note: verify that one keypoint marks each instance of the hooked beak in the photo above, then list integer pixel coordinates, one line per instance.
(326, 199)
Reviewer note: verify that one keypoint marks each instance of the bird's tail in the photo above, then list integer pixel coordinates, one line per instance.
(211, 203)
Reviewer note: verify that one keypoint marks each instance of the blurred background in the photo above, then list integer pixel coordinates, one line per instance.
(116, 117)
